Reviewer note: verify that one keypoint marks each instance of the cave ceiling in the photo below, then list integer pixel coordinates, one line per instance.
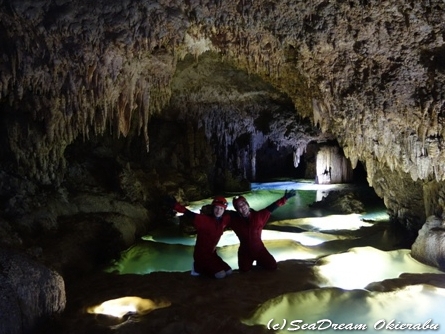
(230, 102)
(368, 73)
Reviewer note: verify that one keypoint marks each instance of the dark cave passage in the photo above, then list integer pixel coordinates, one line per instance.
(273, 163)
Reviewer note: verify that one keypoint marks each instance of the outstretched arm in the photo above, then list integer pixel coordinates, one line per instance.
(178, 207)
(280, 202)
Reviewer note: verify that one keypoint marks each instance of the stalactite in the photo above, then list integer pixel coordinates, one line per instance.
(253, 165)
(296, 158)
(154, 27)
(298, 152)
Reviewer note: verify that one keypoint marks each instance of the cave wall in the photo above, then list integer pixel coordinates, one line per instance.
(108, 105)
(368, 73)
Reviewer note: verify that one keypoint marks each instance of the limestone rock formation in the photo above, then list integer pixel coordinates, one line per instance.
(429, 247)
(366, 73)
(341, 202)
(30, 293)
(107, 105)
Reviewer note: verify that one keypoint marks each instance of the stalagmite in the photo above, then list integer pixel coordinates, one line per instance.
(429, 246)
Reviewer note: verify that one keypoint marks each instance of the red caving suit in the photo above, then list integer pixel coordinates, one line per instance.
(249, 232)
(209, 231)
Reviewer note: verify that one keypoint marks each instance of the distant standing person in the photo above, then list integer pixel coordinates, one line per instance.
(248, 225)
(210, 228)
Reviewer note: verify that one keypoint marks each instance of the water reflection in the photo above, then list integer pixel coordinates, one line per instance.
(333, 310)
(294, 231)
(352, 255)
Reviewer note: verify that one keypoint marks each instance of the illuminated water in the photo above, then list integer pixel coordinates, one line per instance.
(300, 229)
(349, 254)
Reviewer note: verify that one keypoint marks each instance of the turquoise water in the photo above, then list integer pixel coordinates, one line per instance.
(346, 253)
(301, 230)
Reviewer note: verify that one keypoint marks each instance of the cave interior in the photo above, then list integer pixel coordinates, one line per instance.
(107, 107)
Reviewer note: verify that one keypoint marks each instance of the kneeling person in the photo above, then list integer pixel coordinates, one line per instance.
(210, 228)
(248, 225)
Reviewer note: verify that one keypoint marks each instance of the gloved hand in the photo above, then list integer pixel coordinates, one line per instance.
(173, 204)
(179, 208)
(170, 201)
(289, 194)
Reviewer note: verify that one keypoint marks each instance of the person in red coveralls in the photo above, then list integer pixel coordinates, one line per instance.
(210, 228)
(248, 225)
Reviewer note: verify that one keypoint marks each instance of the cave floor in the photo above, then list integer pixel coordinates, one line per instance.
(363, 276)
